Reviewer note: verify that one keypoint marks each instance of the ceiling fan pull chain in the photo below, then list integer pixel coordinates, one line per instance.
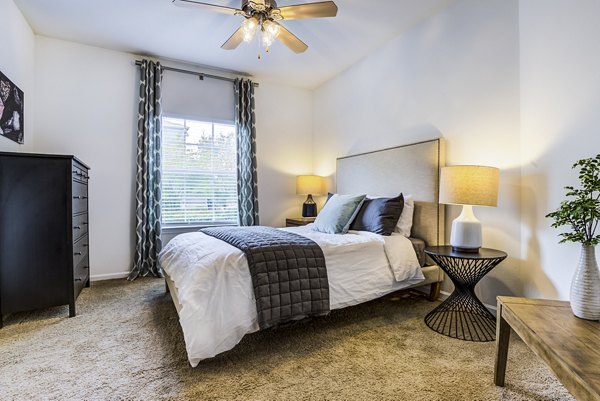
(259, 40)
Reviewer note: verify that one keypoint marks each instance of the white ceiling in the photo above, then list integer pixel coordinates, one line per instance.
(158, 28)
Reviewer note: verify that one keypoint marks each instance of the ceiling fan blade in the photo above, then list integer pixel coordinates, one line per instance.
(234, 41)
(310, 10)
(291, 41)
(206, 6)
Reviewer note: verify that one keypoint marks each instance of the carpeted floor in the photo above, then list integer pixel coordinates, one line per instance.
(126, 343)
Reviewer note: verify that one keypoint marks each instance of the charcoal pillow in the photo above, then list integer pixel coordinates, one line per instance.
(379, 215)
(338, 213)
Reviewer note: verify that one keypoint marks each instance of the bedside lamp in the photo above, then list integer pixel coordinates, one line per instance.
(468, 186)
(309, 185)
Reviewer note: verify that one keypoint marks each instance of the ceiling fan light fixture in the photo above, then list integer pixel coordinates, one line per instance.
(271, 28)
(249, 27)
(267, 40)
(248, 36)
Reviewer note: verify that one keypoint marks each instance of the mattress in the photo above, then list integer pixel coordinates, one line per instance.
(215, 290)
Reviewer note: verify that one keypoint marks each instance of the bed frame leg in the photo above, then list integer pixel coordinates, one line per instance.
(167, 287)
(434, 291)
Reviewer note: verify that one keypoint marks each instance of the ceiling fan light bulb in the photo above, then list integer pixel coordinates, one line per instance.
(267, 39)
(271, 28)
(250, 24)
(249, 28)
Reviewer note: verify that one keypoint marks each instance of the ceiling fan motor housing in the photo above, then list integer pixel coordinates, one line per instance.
(251, 7)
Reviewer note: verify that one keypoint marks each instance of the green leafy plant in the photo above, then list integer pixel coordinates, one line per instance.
(582, 211)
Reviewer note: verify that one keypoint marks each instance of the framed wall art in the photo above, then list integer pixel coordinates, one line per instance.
(11, 110)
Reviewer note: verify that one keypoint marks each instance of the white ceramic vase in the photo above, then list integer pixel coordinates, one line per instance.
(585, 288)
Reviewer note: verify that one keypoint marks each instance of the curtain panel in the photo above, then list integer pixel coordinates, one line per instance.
(148, 177)
(246, 152)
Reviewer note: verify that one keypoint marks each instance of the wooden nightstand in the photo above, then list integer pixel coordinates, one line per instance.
(299, 221)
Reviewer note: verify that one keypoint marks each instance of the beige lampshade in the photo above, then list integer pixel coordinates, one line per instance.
(309, 185)
(469, 185)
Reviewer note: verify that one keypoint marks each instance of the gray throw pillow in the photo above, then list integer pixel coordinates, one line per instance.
(338, 213)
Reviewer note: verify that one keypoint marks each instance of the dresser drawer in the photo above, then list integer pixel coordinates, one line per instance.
(80, 197)
(79, 173)
(80, 250)
(81, 275)
(80, 226)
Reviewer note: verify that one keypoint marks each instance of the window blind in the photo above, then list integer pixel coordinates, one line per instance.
(199, 173)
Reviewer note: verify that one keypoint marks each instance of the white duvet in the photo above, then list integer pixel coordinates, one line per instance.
(215, 288)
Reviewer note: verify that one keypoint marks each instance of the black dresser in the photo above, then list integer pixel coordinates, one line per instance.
(44, 243)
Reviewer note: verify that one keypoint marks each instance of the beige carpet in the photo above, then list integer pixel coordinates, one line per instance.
(126, 343)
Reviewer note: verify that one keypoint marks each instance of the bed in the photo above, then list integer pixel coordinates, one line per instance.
(210, 283)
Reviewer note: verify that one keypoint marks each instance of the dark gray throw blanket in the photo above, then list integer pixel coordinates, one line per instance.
(288, 272)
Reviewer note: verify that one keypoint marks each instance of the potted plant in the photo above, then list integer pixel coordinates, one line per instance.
(582, 213)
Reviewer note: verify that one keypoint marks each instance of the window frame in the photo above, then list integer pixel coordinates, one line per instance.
(179, 228)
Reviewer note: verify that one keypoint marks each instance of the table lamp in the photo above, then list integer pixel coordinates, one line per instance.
(468, 186)
(309, 185)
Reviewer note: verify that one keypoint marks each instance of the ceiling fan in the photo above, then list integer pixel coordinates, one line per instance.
(261, 16)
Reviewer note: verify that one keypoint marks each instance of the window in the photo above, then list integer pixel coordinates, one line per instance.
(199, 173)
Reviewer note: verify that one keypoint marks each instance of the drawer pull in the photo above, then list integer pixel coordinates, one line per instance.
(86, 267)
(80, 197)
(85, 223)
(77, 279)
(76, 228)
(77, 253)
(85, 245)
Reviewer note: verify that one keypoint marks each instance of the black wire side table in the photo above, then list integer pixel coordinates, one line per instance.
(462, 315)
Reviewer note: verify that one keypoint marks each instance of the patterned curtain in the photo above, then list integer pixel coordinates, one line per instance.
(147, 193)
(246, 152)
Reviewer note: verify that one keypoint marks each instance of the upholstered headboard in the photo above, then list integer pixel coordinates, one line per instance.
(411, 169)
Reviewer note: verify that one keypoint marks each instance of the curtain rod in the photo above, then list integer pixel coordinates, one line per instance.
(200, 75)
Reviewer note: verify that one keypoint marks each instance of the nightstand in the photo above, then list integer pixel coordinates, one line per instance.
(462, 315)
(299, 221)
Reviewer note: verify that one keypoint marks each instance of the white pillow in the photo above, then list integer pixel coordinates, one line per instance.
(405, 221)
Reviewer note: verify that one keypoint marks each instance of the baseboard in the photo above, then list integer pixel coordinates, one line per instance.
(445, 294)
(110, 276)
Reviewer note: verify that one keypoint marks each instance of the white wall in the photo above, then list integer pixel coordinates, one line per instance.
(284, 149)
(560, 123)
(87, 102)
(17, 59)
(454, 75)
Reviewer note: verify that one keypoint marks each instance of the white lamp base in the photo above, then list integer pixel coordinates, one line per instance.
(466, 231)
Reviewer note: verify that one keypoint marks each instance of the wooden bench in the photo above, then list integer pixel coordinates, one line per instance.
(569, 345)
